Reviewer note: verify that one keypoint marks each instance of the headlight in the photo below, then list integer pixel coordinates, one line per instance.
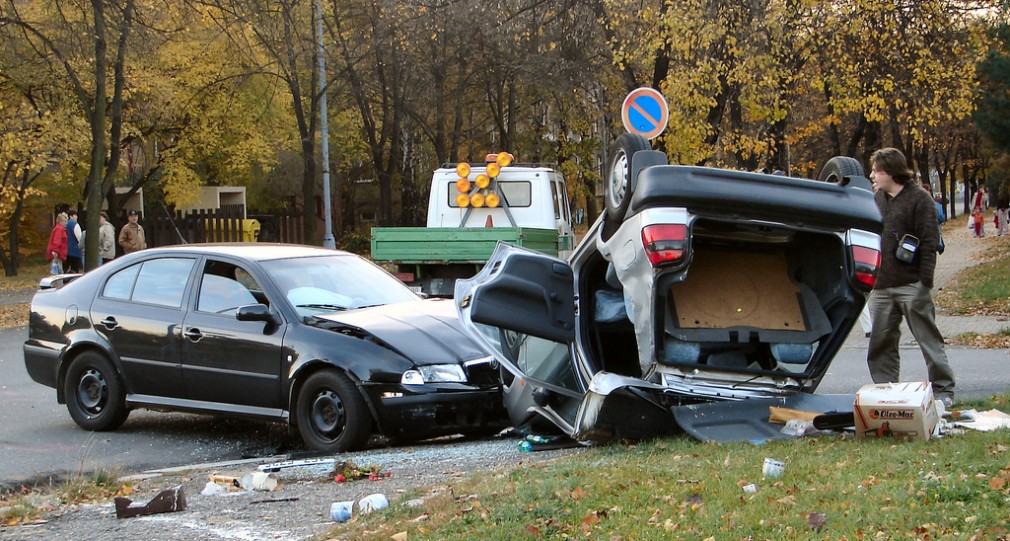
(434, 373)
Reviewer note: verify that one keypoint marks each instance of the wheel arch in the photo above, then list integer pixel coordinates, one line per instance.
(309, 369)
(75, 351)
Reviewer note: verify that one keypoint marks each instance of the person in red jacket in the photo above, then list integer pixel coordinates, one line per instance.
(56, 250)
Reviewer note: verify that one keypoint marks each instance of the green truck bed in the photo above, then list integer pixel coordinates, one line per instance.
(447, 245)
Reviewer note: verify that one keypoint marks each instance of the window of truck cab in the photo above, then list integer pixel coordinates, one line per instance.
(514, 193)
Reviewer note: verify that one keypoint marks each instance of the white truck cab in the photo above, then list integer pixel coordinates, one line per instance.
(531, 196)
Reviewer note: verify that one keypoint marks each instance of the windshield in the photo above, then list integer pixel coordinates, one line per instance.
(332, 283)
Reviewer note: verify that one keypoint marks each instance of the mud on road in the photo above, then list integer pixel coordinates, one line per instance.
(298, 509)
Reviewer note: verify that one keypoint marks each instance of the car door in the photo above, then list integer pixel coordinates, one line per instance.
(235, 364)
(139, 310)
(521, 309)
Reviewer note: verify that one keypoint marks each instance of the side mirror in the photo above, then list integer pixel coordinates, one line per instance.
(256, 312)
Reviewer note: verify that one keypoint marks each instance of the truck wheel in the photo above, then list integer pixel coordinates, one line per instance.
(840, 167)
(95, 396)
(619, 183)
(332, 415)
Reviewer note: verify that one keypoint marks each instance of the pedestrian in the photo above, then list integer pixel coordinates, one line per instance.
(73, 242)
(131, 236)
(1002, 205)
(978, 222)
(980, 200)
(106, 239)
(907, 262)
(56, 250)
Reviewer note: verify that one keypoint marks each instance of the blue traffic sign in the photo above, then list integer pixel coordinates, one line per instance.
(645, 112)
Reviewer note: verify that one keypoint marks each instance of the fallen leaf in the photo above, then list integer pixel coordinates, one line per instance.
(816, 521)
(402, 536)
(533, 530)
(579, 493)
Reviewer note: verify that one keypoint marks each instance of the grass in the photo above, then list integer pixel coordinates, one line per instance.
(983, 289)
(99, 485)
(955, 487)
(16, 315)
(28, 276)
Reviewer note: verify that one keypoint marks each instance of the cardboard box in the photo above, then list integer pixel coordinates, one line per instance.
(897, 410)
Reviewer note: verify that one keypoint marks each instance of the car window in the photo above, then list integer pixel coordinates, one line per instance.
(333, 283)
(224, 287)
(120, 285)
(162, 281)
(537, 358)
(514, 193)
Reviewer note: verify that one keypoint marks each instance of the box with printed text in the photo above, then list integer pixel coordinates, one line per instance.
(903, 410)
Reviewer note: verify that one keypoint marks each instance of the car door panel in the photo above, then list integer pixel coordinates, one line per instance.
(139, 312)
(225, 360)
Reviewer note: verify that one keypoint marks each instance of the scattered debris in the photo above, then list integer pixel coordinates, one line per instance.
(985, 421)
(274, 500)
(259, 480)
(372, 502)
(349, 471)
(167, 501)
(750, 488)
(341, 511)
(773, 468)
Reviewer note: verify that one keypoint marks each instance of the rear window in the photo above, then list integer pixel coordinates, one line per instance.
(515, 194)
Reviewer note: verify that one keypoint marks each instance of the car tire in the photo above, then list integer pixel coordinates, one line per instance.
(332, 414)
(619, 185)
(95, 395)
(840, 167)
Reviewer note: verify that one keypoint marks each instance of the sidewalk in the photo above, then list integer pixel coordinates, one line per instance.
(960, 253)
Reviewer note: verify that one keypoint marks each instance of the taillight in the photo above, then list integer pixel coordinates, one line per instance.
(867, 262)
(664, 243)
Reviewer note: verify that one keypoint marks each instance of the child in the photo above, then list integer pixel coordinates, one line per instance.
(978, 218)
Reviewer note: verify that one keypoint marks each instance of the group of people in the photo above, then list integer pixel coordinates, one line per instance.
(909, 244)
(65, 250)
(976, 220)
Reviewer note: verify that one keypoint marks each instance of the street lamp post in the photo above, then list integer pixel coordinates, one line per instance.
(328, 240)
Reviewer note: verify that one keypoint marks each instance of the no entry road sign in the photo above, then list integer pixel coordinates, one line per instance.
(645, 112)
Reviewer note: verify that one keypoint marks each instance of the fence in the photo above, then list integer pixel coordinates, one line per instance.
(223, 225)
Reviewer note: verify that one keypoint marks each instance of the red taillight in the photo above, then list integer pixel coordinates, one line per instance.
(867, 261)
(664, 243)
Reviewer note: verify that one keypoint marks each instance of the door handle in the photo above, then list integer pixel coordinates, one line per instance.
(193, 334)
(110, 322)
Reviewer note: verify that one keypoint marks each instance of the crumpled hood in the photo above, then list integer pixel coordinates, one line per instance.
(426, 331)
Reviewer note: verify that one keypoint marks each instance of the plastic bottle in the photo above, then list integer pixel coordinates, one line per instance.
(525, 446)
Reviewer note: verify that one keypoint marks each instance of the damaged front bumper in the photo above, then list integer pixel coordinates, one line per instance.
(433, 410)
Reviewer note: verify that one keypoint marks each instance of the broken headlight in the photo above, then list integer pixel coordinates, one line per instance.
(434, 373)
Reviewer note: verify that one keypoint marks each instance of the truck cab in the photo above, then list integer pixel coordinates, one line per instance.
(531, 196)
(471, 208)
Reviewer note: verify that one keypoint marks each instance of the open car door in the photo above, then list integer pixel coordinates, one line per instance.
(520, 308)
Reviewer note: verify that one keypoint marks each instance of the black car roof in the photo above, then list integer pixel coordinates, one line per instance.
(257, 251)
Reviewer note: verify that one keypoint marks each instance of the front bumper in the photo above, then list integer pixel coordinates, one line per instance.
(428, 411)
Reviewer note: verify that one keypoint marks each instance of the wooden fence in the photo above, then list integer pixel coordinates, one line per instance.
(223, 225)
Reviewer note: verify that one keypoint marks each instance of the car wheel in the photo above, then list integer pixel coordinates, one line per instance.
(332, 415)
(95, 396)
(840, 167)
(618, 188)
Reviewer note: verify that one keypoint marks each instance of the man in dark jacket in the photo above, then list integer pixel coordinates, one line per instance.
(907, 260)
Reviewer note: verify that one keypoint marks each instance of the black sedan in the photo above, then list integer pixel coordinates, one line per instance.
(320, 339)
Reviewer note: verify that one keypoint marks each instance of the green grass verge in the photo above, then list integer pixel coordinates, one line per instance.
(955, 487)
(983, 289)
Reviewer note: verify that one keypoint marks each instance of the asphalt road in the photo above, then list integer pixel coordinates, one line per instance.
(40, 443)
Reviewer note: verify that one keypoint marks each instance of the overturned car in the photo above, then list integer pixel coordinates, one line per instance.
(696, 285)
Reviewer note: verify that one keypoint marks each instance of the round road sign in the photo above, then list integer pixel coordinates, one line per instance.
(645, 112)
